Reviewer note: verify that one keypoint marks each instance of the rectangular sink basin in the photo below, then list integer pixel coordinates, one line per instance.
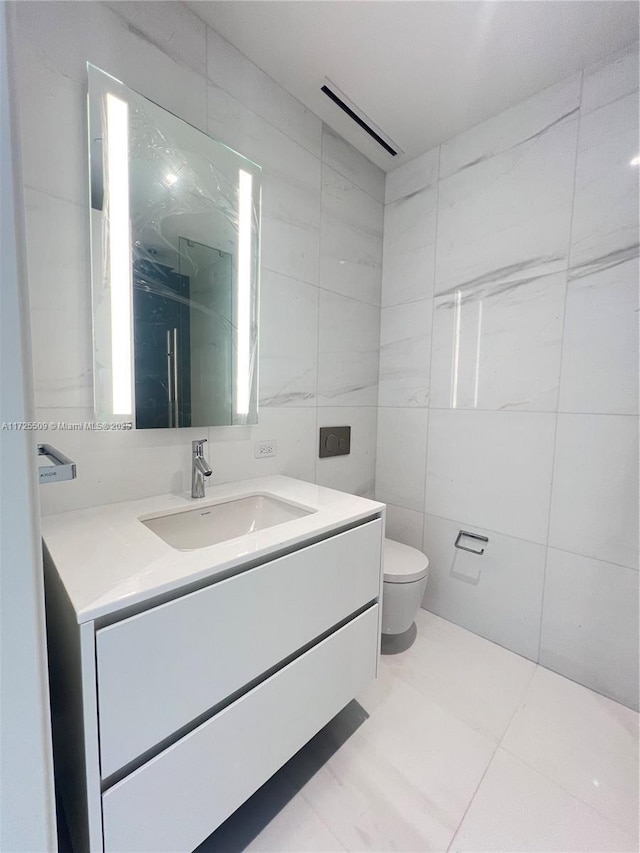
(215, 523)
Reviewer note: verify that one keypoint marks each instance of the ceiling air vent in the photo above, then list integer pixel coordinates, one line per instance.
(339, 98)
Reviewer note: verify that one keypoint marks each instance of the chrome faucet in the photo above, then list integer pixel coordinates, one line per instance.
(199, 468)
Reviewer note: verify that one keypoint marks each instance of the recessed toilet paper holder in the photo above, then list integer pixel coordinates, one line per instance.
(471, 536)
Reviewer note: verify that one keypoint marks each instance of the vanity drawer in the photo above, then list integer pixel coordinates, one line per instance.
(178, 798)
(161, 669)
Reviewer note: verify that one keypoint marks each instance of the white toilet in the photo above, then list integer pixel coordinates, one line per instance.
(405, 579)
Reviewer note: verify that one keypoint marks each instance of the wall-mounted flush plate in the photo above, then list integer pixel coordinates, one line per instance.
(335, 441)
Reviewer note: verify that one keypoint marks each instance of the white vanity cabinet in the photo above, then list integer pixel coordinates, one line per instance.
(171, 710)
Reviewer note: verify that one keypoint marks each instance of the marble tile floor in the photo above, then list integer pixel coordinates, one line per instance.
(460, 745)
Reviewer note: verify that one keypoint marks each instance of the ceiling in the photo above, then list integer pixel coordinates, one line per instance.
(421, 70)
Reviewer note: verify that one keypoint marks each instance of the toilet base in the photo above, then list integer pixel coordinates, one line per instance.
(395, 644)
(400, 603)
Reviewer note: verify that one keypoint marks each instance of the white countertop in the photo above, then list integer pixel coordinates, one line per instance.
(107, 559)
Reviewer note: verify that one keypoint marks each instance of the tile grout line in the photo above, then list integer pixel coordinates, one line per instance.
(137, 31)
(497, 747)
(368, 405)
(591, 806)
(431, 185)
(612, 101)
(511, 411)
(429, 407)
(473, 796)
(318, 286)
(316, 437)
(82, 205)
(364, 157)
(512, 536)
(378, 365)
(318, 815)
(211, 440)
(520, 705)
(562, 341)
(375, 458)
(349, 298)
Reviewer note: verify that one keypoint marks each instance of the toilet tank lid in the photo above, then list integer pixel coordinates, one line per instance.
(403, 564)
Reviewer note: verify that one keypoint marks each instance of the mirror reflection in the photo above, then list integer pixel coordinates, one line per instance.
(175, 222)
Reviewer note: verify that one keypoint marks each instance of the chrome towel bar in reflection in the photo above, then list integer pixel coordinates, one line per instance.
(58, 466)
(471, 536)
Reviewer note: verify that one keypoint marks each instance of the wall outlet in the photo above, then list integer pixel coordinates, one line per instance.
(264, 448)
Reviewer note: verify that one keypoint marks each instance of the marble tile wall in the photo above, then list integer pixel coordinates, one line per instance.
(478, 311)
(508, 393)
(321, 250)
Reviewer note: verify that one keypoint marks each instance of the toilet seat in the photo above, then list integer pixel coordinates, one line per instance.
(403, 564)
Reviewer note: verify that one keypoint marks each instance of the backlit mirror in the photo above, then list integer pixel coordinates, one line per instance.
(175, 225)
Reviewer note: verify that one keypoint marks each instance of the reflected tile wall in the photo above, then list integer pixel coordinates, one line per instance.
(168, 54)
(532, 396)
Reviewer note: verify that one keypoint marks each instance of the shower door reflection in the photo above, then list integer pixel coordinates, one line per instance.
(161, 336)
(210, 274)
(183, 322)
